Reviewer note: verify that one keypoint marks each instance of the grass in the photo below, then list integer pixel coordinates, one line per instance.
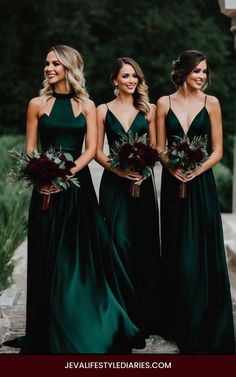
(14, 202)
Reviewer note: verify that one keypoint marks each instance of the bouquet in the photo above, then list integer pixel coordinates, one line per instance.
(50, 168)
(187, 156)
(133, 153)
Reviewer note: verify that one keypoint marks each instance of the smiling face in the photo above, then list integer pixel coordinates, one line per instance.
(198, 77)
(127, 79)
(54, 70)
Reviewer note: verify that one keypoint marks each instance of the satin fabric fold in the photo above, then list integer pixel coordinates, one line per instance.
(197, 308)
(74, 302)
(134, 227)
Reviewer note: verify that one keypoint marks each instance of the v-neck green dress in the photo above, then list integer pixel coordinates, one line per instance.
(134, 226)
(73, 306)
(196, 295)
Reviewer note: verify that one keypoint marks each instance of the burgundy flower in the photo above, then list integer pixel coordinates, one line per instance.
(125, 151)
(198, 155)
(42, 170)
(141, 161)
(138, 155)
(151, 156)
(183, 147)
(132, 162)
(140, 148)
(134, 153)
(52, 167)
(69, 165)
(187, 154)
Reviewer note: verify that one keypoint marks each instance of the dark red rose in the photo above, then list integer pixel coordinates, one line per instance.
(133, 163)
(183, 147)
(142, 161)
(125, 151)
(198, 155)
(69, 165)
(139, 148)
(42, 170)
(151, 156)
(145, 155)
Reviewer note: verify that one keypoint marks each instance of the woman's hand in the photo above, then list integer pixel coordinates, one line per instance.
(74, 170)
(128, 174)
(179, 174)
(190, 175)
(50, 189)
(184, 176)
(140, 181)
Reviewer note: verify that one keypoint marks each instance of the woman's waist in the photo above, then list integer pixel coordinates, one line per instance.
(75, 153)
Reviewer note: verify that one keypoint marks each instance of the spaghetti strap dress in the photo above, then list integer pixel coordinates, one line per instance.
(134, 227)
(197, 307)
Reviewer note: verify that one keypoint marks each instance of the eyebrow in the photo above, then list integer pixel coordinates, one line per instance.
(54, 61)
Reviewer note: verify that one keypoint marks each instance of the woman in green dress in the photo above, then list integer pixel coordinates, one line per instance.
(133, 222)
(196, 295)
(71, 306)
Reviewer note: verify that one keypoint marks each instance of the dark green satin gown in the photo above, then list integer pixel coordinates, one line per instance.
(196, 296)
(72, 306)
(134, 226)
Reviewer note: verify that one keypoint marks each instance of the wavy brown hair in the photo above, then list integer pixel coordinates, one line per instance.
(141, 99)
(185, 64)
(74, 65)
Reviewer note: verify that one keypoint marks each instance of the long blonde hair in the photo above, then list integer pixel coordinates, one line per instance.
(141, 99)
(73, 63)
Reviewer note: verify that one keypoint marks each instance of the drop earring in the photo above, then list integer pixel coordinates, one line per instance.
(116, 90)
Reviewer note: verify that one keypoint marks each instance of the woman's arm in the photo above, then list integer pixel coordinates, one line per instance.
(152, 126)
(214, 110)
(101, 157)
(162, 109)
(90, 139)
(32, 125)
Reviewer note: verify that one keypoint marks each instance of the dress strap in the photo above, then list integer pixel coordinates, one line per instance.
(107, 108)
(169, 102)
(205, 100)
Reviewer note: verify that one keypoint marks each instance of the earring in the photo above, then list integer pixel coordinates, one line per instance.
(116, 90)
(185, 84)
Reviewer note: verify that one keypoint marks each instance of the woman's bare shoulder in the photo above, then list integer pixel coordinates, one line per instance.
(88, 105)
(212, 100)
(102, 107)
(212, 104)
(163, 104)
(163, 101)
(36, 101)
(36, 104)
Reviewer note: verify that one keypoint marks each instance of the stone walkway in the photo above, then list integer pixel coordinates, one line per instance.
(13, 299)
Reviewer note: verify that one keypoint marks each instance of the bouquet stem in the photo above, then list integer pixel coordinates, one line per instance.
(182, 191)
(135, 190)
(46, 202)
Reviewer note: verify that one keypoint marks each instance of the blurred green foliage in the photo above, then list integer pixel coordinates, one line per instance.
(223, 178)
(14, 201)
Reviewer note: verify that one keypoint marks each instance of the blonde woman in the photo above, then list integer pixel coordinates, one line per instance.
(71, 307)
(133, 222)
